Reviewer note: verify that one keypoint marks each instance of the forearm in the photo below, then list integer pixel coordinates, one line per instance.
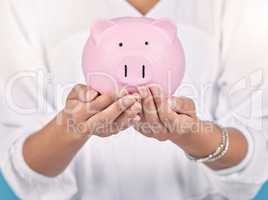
(50, 150)
(201, 144)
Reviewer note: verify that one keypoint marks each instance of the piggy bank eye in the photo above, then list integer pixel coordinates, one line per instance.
(146, 43)
(121, 44)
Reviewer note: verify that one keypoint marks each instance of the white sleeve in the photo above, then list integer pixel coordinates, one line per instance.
(28, 184)
(243, 96)
(25, 105)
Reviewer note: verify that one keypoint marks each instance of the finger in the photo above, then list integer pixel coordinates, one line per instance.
(167, 116)
(160, 102)
(88, 110)
(82, 93)
(99, 104)
(115, 127)
(122, 93)
(183, 105)
(121, 125)
(151, 116)
(144, 129)
(82, 111)
(76, 110)
(149, 109)
(142, 126)
(116, 109)
(159, 97)
(130, 114)
(137, 97)
(106, 117)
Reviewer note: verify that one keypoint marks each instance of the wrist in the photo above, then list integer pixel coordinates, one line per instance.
(201, 141)
(53, 142)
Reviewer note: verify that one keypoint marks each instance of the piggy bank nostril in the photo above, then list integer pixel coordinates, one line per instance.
(125, 70)
(143, 71)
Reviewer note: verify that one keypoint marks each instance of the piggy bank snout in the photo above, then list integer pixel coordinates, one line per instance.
(134, 71)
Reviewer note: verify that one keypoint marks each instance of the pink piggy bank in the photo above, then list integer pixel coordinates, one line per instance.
(130, 52)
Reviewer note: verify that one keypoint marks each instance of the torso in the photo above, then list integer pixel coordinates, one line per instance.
(128, 165)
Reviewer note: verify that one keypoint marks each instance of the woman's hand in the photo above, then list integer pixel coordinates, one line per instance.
(86, 113)
(165, 119)
(175, 119)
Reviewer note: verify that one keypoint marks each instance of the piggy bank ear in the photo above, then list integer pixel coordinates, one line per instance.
(166, 25)
(99, 27)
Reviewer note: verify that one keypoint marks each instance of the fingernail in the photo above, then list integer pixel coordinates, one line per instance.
(137, 97)
(91, 95)
(143, 91)
(123, 93)
(157, 91)
(137, 118)
(136, 107)
(128, 100)
(172, 103)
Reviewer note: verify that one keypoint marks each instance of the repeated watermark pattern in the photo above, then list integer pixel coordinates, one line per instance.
(243, 99)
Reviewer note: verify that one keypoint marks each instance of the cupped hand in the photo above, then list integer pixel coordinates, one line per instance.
(88, 112)
(165, 118)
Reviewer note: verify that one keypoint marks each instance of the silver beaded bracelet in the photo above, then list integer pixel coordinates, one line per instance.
(219, 153)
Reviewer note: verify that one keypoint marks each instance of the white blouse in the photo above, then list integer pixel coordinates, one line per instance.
(225, 42)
